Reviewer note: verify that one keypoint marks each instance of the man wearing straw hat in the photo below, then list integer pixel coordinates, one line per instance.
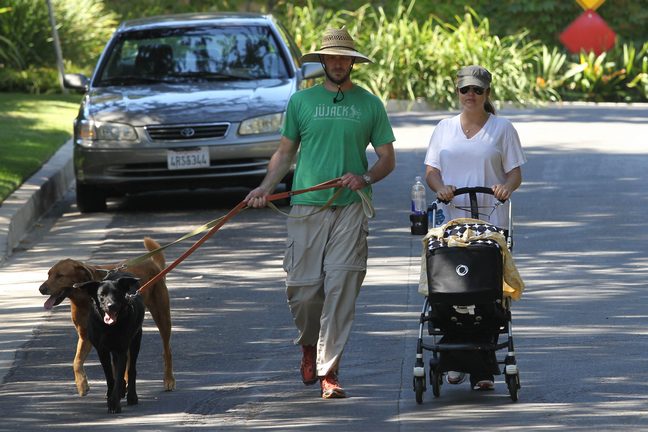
(331, 125)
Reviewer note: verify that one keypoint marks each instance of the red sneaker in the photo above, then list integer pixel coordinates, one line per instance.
(308, 365)
(331, 388)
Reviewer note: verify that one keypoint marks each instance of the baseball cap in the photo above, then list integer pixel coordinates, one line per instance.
(473, 75)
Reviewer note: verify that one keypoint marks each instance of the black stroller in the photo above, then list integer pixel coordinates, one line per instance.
(465, 306)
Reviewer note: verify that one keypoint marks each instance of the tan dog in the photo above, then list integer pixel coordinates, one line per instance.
(59, 285)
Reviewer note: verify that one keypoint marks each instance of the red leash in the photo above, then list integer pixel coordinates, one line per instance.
(236, 210)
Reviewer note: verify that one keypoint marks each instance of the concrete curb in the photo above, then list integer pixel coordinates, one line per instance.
(20, 211)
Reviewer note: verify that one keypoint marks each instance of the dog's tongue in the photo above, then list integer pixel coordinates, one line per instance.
(50, 302)
(109, 318)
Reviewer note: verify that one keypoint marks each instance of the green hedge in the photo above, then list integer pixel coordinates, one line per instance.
(417, 59)
(619, 75)
(543, 19)
(32, 79)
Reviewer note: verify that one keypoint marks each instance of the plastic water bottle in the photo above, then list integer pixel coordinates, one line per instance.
(418, 217)
(419, 203)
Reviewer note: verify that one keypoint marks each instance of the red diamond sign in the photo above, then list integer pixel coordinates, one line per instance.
(588, 32)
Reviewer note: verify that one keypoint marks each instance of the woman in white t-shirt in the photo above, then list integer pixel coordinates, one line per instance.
(474, 148)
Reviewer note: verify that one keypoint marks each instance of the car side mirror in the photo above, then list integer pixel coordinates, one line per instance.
(312, 70)
(76, 82)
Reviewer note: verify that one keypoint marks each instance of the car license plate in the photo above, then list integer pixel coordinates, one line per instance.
(188, 159)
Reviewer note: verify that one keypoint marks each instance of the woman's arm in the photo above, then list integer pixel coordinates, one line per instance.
(513, 181)
(435, 181)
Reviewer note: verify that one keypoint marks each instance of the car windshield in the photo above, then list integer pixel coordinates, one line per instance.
(193, 54)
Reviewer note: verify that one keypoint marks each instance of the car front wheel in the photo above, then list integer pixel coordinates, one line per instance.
(90, 199)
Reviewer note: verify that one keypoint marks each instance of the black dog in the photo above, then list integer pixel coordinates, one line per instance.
(115, 330)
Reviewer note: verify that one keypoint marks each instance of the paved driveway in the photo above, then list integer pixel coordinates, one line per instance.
(581, 242)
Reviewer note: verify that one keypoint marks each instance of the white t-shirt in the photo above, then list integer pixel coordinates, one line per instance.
(482, 160)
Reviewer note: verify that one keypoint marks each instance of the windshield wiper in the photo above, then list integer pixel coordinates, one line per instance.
(132, 79)
(211, 76)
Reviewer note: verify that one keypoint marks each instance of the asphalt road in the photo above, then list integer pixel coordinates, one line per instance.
(581, 245)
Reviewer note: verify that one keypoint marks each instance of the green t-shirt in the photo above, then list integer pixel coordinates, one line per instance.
(333, 138)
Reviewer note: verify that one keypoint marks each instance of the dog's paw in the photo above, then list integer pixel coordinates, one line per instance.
(169, 384)
(114, 408)
(132, 399)
(82, 387)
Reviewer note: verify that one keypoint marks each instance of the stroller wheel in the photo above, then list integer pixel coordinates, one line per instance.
(419, 388)
(437, 380)
(513, 384)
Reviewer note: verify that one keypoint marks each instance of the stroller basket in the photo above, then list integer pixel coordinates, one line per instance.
(464, 275)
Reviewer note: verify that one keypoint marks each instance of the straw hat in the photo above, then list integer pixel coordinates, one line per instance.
(336, 42)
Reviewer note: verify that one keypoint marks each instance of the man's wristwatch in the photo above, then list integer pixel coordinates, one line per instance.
(367, 178)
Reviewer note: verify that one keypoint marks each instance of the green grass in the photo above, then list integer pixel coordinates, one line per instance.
(33, 128)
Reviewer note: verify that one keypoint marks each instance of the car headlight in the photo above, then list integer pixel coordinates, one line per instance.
(259, 125)
(90, 131)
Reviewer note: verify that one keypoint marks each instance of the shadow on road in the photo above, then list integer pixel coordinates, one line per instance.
(580, 236)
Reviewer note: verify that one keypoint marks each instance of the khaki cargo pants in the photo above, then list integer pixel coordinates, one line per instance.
(325, 262)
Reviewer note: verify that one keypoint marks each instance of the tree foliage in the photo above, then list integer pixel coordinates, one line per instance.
(543, 19)
(83, 26)
(417, 45)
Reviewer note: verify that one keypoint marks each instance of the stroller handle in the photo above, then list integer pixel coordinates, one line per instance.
(474, 207)
(472, 190)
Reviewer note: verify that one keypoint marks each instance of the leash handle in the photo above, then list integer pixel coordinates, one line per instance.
(367, 207)
(336, 182)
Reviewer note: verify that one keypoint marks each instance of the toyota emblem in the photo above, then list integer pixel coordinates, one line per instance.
(187, 132)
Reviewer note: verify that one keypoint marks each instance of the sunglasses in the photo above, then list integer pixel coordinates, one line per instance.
(477, 90)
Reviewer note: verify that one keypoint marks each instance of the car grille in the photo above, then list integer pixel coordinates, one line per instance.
(187, 132)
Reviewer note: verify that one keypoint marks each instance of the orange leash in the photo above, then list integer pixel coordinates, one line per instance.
(336, 182)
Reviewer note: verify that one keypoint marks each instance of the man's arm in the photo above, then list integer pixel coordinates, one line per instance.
(278, 167)
(384, 165)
